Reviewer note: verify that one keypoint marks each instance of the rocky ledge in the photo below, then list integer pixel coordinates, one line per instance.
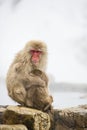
(22, 118)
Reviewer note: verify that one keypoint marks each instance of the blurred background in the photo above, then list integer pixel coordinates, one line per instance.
(62, 24)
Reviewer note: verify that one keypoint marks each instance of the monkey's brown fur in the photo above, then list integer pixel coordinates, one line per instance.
(20, 78)
(38, 94)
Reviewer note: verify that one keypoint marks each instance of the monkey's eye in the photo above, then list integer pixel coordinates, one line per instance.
(35, 51)
(32, 51)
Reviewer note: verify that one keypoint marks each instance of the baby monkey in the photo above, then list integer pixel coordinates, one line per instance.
(37, 95)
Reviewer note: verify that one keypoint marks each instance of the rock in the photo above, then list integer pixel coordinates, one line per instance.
(74, 118)
(2, 109)
(13, 127)
(32, 118)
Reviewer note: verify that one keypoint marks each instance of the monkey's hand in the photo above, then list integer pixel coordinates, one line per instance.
(49, 104)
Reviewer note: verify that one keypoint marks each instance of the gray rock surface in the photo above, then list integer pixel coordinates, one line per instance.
(74, 118)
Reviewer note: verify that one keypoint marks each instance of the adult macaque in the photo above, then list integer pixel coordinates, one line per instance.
(27, 73)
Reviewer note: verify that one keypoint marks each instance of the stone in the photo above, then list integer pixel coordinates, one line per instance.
(32, 118)
(2, 109)
(13, 127)
(74, 118)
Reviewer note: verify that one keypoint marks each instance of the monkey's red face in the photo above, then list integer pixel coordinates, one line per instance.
(35, 56)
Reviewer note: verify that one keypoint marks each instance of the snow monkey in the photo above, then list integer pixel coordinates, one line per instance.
(27, 82)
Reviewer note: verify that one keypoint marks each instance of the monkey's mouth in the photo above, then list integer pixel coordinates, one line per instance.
(35, 60)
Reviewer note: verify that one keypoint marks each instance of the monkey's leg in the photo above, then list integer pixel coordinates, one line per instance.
(18, 94)
(29, 97)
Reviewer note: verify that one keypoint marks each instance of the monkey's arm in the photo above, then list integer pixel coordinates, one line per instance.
(27, 79)
(39, 77)
(35, 81)
(31, 78)
(15, 87)
(45, 78)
